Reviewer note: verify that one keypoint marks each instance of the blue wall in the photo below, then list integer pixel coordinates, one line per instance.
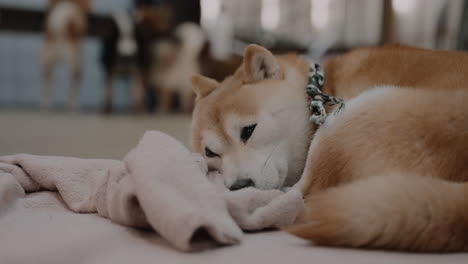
(20, 80)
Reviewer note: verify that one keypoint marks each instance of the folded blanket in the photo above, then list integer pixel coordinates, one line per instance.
(159, 184)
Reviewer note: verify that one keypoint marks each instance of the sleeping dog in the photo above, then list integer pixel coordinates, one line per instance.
(387, 171)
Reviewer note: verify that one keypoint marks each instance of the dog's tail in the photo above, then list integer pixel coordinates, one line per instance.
(389, 212)
(66, 19)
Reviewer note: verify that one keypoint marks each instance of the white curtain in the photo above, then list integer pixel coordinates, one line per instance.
(322, 24)
(427, 23)
(363, 23)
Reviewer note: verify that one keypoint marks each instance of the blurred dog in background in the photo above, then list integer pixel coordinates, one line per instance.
(126, 50)
(185, 53)
(65, 27)
(178, 59)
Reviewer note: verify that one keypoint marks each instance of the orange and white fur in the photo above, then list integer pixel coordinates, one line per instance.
(65, 27)
(389, 171)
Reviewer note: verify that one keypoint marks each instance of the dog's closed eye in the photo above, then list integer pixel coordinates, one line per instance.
(247, 132)
(210, 154)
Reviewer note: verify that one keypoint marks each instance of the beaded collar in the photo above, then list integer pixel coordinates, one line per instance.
(318, 99)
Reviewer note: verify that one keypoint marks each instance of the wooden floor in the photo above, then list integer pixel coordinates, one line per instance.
(82, 135)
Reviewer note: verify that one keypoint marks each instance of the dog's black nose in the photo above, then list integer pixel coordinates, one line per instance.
(242, 183)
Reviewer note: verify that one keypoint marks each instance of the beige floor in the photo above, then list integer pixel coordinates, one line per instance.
(97, 136)
(82, 135)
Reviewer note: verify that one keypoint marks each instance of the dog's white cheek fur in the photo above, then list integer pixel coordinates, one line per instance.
(263, 159)
(269, 162)
(271, 166)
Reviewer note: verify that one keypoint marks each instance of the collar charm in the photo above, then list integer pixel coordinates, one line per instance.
(318, 99)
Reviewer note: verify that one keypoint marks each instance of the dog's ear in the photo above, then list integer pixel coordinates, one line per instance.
(203, 86)
(259, 64)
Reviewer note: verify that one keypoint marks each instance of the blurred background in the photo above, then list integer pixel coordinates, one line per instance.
(88, 77)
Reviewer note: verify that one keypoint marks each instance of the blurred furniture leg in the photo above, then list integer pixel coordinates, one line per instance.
(388, 27)
(137, 91)
(109, 93)
(463, 33)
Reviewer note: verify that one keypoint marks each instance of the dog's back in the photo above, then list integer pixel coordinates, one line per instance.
(359, 70)
(390, 171)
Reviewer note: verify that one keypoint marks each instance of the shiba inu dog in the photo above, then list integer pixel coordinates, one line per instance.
(65, 27)
(388, 171)
(178, 63)
(127, 52)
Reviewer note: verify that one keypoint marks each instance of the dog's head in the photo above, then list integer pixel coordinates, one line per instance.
(253, 127)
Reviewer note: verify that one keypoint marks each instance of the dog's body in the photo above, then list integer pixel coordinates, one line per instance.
(65, 27)
(254, 129)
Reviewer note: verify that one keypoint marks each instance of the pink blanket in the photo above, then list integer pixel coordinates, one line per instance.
(159, 184)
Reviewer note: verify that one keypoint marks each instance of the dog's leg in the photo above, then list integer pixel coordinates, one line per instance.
(187, 100)
(109, 92)
(137, 91)
(75, 62)
(164, 99)
(48, 60)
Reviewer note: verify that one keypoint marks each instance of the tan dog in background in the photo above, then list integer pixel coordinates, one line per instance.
(65, 27)
(178, 63)
(388, 171)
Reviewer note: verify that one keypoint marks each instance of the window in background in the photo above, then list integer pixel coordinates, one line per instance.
(426, 23)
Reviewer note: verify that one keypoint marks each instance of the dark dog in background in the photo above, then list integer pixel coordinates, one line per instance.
(158, 46)
(65, 27)
(127, 50)
(177, 61)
